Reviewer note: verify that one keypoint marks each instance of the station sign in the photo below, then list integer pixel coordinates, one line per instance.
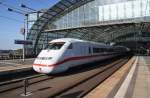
(25, 42)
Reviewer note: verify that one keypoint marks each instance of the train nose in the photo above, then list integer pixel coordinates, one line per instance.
(42, 69)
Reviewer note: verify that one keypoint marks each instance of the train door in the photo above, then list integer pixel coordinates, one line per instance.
(90, 50)
(83, 49)
(70, 50)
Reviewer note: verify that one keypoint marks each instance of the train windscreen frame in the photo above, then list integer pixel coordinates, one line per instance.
(55, 45)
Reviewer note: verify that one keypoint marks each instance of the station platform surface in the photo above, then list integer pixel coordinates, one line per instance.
(139, 86)
(137, 82)
(11, 66)
(130, 81)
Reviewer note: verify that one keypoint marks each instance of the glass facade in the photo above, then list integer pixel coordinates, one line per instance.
(32, 17)
(100, 10)
(90, 13)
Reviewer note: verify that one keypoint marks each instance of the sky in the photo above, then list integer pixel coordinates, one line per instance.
(10, 22)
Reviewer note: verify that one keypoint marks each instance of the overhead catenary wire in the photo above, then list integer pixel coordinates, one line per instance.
(10, 6)
(8, 18)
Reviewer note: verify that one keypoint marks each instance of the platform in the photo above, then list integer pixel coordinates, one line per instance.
(142, 82)
(11, 66)
(137, 83)
(130, 81)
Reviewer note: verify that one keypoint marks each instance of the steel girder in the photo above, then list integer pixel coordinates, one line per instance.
(52, 14)
(106, 33)
(136, 34)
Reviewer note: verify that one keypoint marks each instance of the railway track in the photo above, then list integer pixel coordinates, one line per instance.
(16, 75)
(15, 69)
(18, 83)
(74, 84)
(81, 89)
(76, 91)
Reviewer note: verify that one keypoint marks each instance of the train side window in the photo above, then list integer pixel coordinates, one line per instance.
(98, 50)
(90, 50)
(70, 46)
(95, 50)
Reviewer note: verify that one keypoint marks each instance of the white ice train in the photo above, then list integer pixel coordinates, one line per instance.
(62, 54)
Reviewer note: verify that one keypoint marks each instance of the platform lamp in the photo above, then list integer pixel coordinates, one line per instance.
(24, 32)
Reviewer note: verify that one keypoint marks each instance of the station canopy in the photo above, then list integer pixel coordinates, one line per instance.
(81, 19)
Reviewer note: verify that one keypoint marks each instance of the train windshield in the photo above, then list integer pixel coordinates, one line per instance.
(55, 46)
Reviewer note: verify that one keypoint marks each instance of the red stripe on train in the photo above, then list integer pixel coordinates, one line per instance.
(67, 60)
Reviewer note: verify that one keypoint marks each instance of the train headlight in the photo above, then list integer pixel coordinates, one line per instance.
(44, 58)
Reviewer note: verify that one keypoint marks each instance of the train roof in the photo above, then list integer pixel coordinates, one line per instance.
(67, 39)
(76, 40)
